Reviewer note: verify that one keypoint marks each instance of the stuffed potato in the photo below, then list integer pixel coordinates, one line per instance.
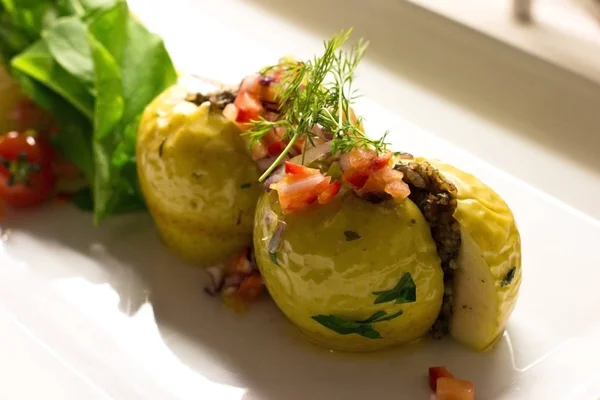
(196, 175)
(342, 270)
(334, 258)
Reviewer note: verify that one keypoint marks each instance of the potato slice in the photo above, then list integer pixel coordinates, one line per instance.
(488, 278)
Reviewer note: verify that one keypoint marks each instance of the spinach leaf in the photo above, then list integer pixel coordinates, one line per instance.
(146, 69)
(109, 100)
(363, 328)
(27, 16)
(95, 68)
(12, 40)
(37, 62)
(109, 27)
(67, 42)
(405, 291)
(73, 140)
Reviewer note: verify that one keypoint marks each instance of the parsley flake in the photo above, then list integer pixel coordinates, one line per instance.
(351, 235)
(363, 328)
(405, 291)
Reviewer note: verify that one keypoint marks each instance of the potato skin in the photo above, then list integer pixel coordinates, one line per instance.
(320, 272)
(198, 179)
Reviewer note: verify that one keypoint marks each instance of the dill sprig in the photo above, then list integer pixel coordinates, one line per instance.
(319, 92)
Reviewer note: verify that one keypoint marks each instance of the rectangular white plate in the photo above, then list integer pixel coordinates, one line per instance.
(108, 313)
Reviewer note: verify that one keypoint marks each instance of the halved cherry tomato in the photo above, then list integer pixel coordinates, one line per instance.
(26, 176)
(454, 389)
(435, 373)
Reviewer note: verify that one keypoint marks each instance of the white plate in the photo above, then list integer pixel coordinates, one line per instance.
(108, 313)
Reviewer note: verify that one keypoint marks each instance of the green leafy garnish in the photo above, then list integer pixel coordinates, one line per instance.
(246, 185)
(319, 92)
(95, 68)
(508, 278)
(405, 291)
(363, 327)
(273, 257)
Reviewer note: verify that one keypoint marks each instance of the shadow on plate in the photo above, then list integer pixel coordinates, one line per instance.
(259, 350)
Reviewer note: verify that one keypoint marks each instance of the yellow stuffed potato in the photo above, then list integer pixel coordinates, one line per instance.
(351, 275)
(197, 177)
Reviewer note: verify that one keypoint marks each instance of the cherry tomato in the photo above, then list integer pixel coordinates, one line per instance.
(26, 176)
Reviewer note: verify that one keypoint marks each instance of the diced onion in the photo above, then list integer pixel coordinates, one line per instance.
(312, 154)
(300, 185)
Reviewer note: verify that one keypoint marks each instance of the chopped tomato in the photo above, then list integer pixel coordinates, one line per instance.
(368, 172)
(248, 107)
(454, 389)
(234, 302)
(295, 171)
(329, 192)
(435, 373)
(275, 149)
(297, 201)
(303, 186)
(26, 175)
(250, 288)
(239, 264)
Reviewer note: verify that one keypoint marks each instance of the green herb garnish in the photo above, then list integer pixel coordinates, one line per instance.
(405, 291)
(94, 68)
(351, 235)
(246, 185)
(363, 327)
(510, 275)
(273, 257)
(319, 92)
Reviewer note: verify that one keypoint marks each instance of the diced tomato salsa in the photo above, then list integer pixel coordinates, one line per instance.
(447, 387)
(368, 172)
(303, 186)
